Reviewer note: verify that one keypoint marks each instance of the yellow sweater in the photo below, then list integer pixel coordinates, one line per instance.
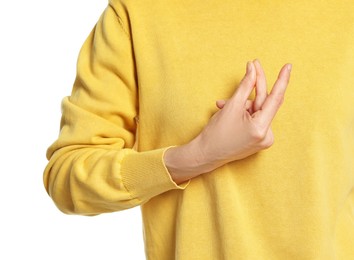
(149, 75)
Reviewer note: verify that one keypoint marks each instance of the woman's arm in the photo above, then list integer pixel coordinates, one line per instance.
(93, 167)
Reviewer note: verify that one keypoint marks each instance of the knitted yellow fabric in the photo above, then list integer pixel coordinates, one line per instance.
(149, 75)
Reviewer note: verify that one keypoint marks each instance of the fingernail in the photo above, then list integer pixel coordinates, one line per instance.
(289, 67)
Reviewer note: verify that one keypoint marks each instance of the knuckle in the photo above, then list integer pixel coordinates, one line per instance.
(268, 142)
(259, 135)
(278, 99)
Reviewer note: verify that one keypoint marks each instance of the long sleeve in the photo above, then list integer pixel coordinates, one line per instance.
(93, 167)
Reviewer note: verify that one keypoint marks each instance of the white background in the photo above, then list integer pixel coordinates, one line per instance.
(39, 44)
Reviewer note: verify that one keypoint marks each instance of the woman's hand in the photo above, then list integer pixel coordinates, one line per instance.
(239, 129)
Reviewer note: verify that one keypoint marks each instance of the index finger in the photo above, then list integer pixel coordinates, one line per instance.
(276, 97)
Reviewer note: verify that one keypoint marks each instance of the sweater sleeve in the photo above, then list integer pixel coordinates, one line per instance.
(92, 166)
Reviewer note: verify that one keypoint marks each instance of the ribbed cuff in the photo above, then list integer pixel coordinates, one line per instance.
(145, 175)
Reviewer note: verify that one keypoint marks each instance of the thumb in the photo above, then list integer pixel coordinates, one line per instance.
(246, 85)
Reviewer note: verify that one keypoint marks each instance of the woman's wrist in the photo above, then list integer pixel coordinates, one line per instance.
(187, 161)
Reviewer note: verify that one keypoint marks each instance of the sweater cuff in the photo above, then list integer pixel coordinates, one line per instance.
(145, 175)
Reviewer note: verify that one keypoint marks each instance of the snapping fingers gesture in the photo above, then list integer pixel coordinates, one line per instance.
(240, 128)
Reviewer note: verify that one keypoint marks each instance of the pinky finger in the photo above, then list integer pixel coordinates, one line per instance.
(220, 103)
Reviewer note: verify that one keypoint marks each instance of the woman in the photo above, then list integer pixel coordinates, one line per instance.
(141, 128)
